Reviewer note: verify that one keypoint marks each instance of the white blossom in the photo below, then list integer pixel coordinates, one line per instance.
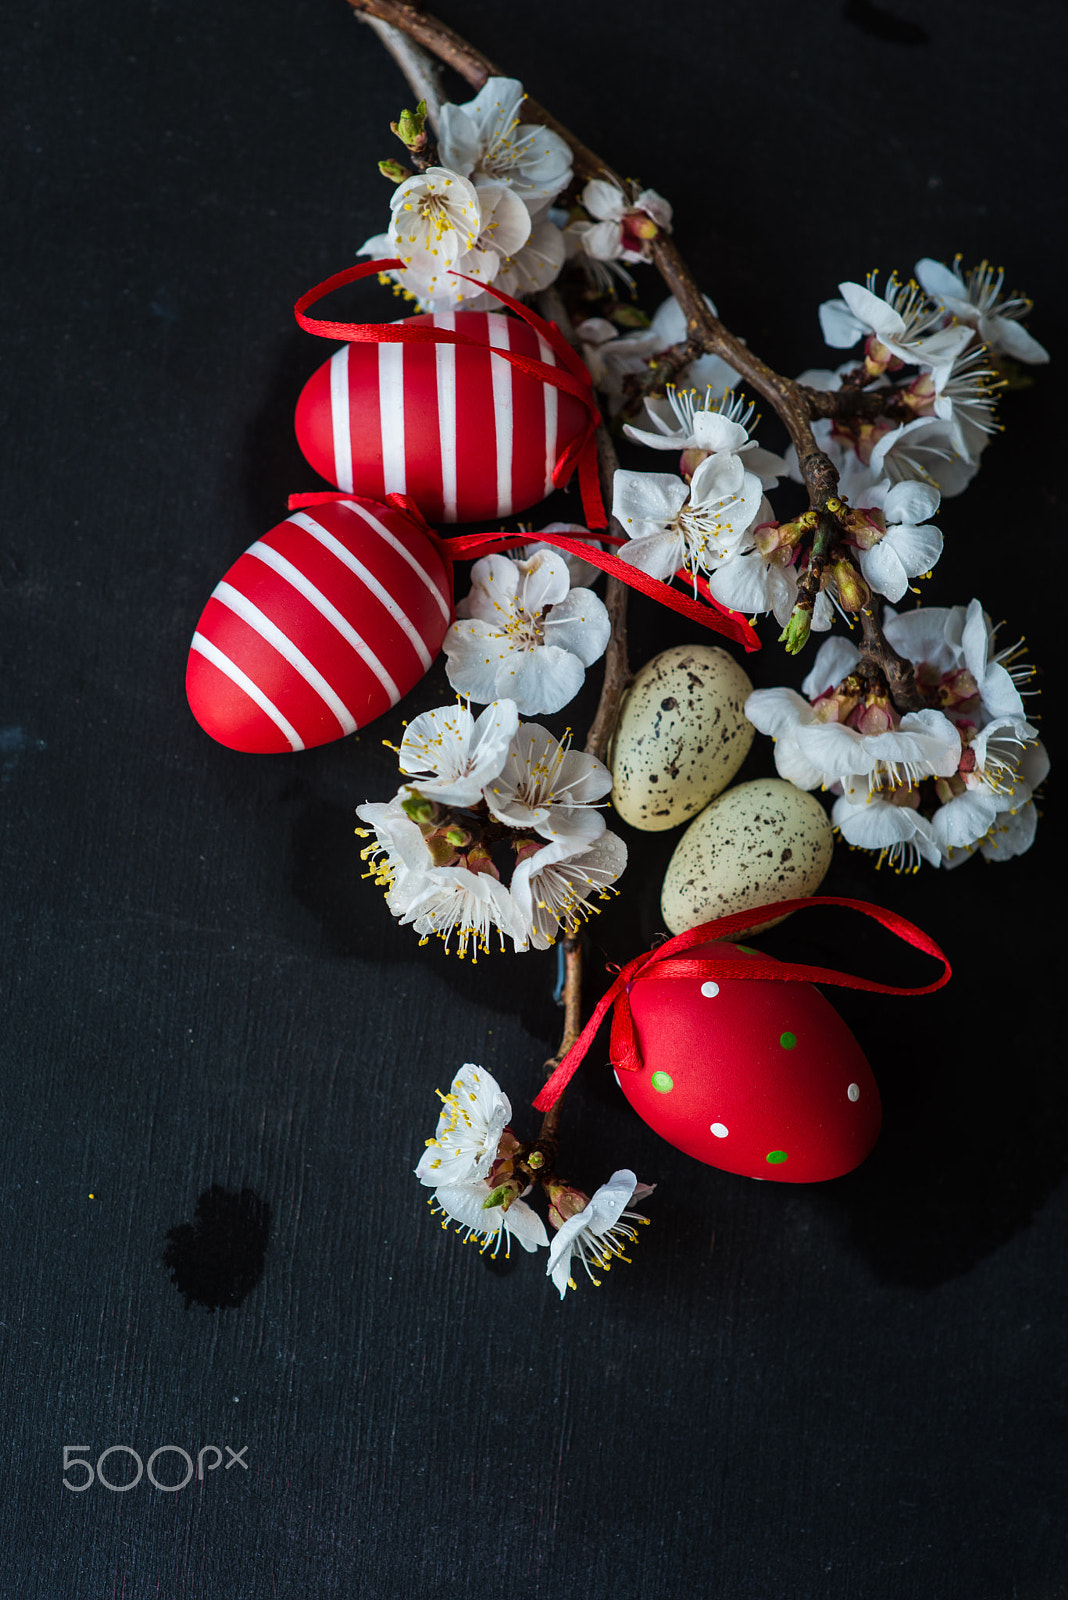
(448, 231)
(924, 450)
(600, 1233)
(672, 525)
(964, 396)
(438, 850)
(485, 140)
(750, 584)
(621, 228)
(474, 1114)
(684, 420)
(436, 219)
(887, 825)
(454, 902)
(463, 1204)
(583, 573)
(1000, 769)
(1011, 834)
(952, 640)
(897, 543)
(814, 752)
(902, 320)
(976, 300)
(524, 632)
(553, 887)
(549, 789)
(450, 756)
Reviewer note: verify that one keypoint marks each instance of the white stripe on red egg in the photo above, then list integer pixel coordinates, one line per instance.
(545, 353)
(501, 371)
(273, 635)
(231, 670)
(445, 359)
(391, 417)
(380, 593)
(394, 543)
(285, 569)
(339, 417)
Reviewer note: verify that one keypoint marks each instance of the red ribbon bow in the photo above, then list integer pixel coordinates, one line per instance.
(664, 962)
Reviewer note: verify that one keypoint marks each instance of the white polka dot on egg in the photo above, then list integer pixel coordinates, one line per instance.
(719, 1130)
(710, 989)
(853, 1091)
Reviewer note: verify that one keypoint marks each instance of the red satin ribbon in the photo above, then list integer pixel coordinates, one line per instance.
(468, 546)
(663, 962)
(571, 376)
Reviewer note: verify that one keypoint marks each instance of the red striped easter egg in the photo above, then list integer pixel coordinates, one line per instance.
(318, 628)
(465, 433)
(758, 1078)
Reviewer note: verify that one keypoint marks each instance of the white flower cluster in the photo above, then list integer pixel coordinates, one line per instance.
(476, 785)
(921, 347)
(486, 212)
(705, 523)
(940, 342)
(471, 1157)
(483, 212)
(936, 784)
(525, 632)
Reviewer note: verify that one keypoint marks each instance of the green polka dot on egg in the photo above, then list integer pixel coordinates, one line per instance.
(776, 1157)
(788, 1040)
(662, 1082)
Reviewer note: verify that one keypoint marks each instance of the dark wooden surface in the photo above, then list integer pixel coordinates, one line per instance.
(850, 1390)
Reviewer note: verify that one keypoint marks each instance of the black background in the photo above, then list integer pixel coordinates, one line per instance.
(837, 1391)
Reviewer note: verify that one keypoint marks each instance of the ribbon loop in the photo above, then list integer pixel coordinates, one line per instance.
(664, 962)
(571, 375)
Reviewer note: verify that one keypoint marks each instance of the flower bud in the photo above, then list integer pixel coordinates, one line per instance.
(875, 716)
(838, 704)
(394, 171)
(955, 689)
(781, 539)
(629, 317)
(442, 850)
(795, 634)
(503, 1195)
(865, 526)
(919, 395)
(878, 359)
(565, 1202)
(854, 592)
(478, 859)
(411, 128)
(421, 811)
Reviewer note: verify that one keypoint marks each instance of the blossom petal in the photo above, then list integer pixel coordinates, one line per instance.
(647, 497)
(840, 328)
(580, 623)
(835, 660)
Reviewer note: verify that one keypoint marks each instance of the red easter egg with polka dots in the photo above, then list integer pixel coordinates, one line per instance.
(464, 433)
(753, 1076)
(320, 626)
